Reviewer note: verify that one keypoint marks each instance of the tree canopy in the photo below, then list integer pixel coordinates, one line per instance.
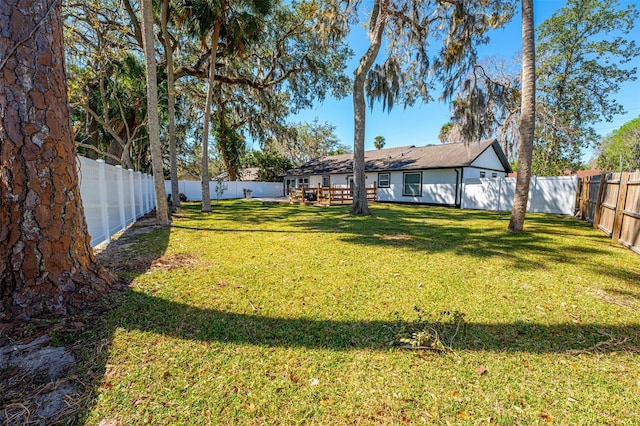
(582, 52)
(426, 42)
(621, 149)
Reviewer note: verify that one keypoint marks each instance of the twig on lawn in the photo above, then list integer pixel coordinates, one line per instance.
(606, 345)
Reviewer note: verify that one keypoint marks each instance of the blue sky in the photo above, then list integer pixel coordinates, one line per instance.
(420, 124)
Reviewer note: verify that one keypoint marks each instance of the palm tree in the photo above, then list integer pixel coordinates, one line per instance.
(208, 19)
(153, 124)
(527, 119)
(378, 142)
(169, 47)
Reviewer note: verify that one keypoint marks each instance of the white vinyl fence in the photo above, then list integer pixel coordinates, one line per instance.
(112, 197)
(546, 194)
(193, 189)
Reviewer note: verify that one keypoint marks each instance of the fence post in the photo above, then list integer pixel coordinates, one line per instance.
(622, 200)
(104, 205)
(596, 212)
(586, 185)
(132, 195)
(123, 218)
(533, 189)
(147, 201)
(152, 192)
(139, 198)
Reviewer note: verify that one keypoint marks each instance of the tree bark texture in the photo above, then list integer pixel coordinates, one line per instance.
(153, 123)
(527, 119)
(171, 104)
(47, 267)
(377, 24)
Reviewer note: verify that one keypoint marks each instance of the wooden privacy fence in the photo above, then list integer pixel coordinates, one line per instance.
(611, 202)
(327, 196)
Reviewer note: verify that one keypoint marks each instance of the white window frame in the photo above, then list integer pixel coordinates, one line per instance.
(404, 184)
(328, 181)
(380, 180)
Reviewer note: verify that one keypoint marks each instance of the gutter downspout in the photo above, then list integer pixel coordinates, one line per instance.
(458, 182)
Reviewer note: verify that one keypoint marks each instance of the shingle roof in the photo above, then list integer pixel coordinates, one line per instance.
(405, 158)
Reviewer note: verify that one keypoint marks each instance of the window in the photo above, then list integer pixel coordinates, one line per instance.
(483, 175)
(412, 184)
(494, 175)
(303, 182)
(383, 180)
(326, 181)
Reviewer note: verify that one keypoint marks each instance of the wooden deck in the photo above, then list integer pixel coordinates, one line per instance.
(327, 196)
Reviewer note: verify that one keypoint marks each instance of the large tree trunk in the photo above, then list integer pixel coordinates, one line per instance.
(376, 29)
(47, 267)
(171, 104)
(527, 119)
(153, 125)
(206, 195)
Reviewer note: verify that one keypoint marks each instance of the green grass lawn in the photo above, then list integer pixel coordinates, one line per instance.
(291, 315)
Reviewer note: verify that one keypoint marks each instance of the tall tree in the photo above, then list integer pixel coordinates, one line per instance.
(621, 149)
(306, 141)
(106, 84)
(300, 58)
(153, 125)
(487, 105)
(215, 22)
(378, 142)
(168, 42)
(377, 24)
(47, 267)
(582, 56)
(410, 69)
(527, 120)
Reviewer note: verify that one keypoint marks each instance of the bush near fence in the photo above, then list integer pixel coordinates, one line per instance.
(112, 197)
(611, 202)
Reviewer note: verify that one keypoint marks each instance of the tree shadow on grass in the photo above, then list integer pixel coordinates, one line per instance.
(136, 310)
(143, 312)
(424, 229)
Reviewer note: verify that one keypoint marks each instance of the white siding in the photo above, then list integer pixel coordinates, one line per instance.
(474, 173)
(438, 187)
(488, 160)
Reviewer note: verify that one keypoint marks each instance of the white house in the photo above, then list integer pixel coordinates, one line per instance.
(424, 175)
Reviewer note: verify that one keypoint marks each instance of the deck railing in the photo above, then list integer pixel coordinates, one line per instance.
(327, 196)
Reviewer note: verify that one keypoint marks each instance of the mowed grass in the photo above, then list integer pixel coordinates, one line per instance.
(288, 314)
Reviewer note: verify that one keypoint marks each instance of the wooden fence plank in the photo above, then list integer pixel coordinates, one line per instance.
(622, 198)
(585, 197)
(597, 213)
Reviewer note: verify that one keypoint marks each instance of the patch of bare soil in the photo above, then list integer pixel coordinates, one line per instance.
(175, 261)
(120, 255)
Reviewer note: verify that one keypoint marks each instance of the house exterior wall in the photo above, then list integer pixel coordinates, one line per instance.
(437, 187)
(488, 160)
(476, 173)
